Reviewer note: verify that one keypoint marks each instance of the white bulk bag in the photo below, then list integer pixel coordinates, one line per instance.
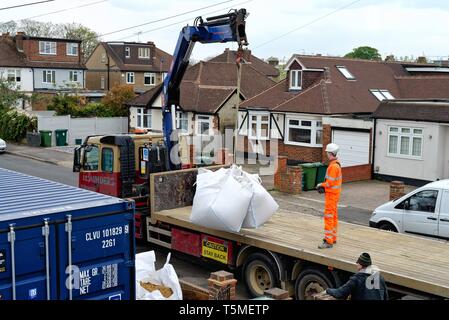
(221, 200)
(262, 205)
(166, 276)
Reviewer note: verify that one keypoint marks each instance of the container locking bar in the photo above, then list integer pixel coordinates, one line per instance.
(12, 240)
(46, 233)
(68, 229)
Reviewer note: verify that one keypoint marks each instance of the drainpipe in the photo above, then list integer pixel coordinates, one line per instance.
(108, 68)
(374, 133)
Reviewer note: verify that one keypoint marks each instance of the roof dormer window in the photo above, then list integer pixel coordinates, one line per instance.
(345, 72)
(144, 53)
(295, 79)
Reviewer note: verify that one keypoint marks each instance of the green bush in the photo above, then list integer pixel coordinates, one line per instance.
(14, 125)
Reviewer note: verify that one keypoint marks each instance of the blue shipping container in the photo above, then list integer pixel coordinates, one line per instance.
(59, 242)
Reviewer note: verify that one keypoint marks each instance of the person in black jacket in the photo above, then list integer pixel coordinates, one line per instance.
(366, 284)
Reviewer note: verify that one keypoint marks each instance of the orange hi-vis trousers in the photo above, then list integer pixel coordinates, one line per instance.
(331, 217)
(332, 187)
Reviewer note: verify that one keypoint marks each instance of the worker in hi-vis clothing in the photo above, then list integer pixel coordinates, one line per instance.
(332, 190)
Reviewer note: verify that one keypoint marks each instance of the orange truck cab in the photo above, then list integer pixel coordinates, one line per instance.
(119, 165)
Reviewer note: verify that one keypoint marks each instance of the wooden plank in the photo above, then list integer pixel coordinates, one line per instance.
(159, 230)
(408, 261)
(160, 243)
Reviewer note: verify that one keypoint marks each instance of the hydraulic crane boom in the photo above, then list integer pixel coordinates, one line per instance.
(219, 29)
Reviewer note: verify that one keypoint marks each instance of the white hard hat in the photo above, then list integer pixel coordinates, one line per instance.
(333, 148)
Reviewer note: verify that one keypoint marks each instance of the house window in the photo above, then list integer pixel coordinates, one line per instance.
(13, 75)
(203, 125)
(345, 72)
(46, 47)
(304, 132)
(72, 49)
(144, 53)
(102, 82)
(259, 125)
(182, 122)
(144, 118)
(295, 79)
(107, 160)
(405, 142)
(103, 58)
(149, 79)
(382, 94)
(130, 77)
(48, 76)
(73, 76)
(127, 52)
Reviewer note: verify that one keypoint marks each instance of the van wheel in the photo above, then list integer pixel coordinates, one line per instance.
(387, 227)
(311, 282)
(260, 274)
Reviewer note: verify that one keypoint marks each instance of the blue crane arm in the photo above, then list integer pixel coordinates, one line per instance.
(218, 29)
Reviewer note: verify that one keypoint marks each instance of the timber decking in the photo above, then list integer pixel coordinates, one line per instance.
(413, 262)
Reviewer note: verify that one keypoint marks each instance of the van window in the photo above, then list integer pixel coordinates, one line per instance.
(91, 158)
(424, 201)
(107, 160)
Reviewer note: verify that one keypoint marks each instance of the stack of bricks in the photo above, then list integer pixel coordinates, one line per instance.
(222, 286)
(288, 179)
(223, 156)
(397, 189)
(277, 294)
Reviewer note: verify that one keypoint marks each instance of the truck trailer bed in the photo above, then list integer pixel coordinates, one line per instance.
(407, 261)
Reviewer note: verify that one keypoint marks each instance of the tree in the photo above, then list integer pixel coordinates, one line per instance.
(365, 53)
(9, 95)
(116, 98)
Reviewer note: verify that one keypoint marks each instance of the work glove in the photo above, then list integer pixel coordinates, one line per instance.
(320, 188)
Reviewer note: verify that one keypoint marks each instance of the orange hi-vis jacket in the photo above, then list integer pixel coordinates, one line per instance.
(334, 178)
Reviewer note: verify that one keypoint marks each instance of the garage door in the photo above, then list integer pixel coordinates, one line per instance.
(354, 147)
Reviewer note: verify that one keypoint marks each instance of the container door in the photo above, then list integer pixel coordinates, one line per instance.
(101, 253)
(443, 223)
(27, 256)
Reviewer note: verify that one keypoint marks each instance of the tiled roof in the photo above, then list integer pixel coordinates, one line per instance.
(424, 110)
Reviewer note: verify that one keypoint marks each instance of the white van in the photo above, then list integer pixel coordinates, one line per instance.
(424, 211)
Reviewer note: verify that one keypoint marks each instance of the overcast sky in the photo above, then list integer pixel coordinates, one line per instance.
(400, 27)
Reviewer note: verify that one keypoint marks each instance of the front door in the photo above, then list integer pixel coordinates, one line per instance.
(443, 223)
(420, 216)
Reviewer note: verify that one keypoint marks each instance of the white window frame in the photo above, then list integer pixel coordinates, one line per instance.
(182, 116)
(144, 50)
(51, 45)
(199, 118)
(150, 75)
(72, 74)
(346, 73)
(130, 75)
(401, 135)
(258, 135)
(297, 75)
(102, 82)
(382, 94)
(143, 112)
(315, 126)
(69, 48)
(17, 74)
(127, 52)
(103, 58)
(52, 74)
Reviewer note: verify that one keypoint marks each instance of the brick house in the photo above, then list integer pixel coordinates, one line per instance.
(208, 98)
(141, 65)
(326, 99)
(38, 64)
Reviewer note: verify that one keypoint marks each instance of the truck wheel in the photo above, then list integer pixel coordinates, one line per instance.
(260, 274)
(310, 282)
(387, 227)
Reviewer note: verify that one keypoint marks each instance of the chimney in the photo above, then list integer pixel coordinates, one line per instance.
(390, 58)
(421, 59)
(19, 40)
